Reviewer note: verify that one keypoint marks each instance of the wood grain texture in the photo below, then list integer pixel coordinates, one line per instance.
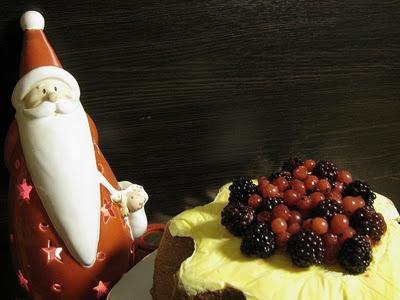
(188, 94)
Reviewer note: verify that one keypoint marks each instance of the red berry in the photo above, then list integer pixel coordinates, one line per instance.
(331, 254)
(304, 202)
(311, 182)
(351, 204)
(264, 217)
(281, 211)
(281, 183)
(294, 228)
(255, 201)
(291, 197)
(332, 247)
(319, 225)
(270, 191)
(348, 233)
(261, 186)
(339, 187)
(344, 176)
(339, 223)
(309, 164)
(300, 172)
(278, 225)
(262, 179)
(334, 196)
(323, 186)
(316, 198)
(330, 239)
(307, 224)
(360, 202)
(282, 239)
(298, 186)
(295, 217)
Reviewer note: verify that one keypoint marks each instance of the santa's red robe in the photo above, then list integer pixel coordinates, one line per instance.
(44, 267)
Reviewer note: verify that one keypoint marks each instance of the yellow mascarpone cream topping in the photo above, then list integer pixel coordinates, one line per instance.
(217, 262)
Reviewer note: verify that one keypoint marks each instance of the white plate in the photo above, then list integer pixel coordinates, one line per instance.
(136, 284)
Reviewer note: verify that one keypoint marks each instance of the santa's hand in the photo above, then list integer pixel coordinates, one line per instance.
(136, 197)
(132, 197)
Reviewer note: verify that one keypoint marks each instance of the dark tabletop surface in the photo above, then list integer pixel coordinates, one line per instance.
(188, 94)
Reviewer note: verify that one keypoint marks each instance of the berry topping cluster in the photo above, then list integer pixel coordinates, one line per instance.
(312, 209)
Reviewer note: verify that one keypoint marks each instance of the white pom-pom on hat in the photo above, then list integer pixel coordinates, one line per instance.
(32, 20)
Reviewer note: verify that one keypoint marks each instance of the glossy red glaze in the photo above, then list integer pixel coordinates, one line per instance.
(32, 230)
(40, 52)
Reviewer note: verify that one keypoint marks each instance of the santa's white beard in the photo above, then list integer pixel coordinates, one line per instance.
(60, 157)
(47, 108)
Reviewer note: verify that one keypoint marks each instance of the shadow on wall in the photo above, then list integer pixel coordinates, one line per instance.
(10, 51)
(10, 54)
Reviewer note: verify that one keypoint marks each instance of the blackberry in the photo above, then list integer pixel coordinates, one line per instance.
(325, 169)
(241, 189)
(270, 203)
(237, 217)
(259, 241)
(327, 209)
(367, 221)
(355, 254)
(363, 189)
(291, 164)
(306, 248)
(285, 174)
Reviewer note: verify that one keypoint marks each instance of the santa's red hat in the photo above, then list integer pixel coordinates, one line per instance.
(38, 59)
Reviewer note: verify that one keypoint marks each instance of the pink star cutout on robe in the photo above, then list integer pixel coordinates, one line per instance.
(107, 211)
(23, 282)
(24, 191)
(101, 289)
(53, 253)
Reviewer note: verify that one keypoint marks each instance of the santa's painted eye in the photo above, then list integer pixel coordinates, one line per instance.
(44, 91)
(55, 88)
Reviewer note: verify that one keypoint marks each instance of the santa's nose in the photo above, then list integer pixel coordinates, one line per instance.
(52, 96)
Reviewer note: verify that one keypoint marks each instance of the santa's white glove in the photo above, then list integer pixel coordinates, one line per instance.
(132, 199)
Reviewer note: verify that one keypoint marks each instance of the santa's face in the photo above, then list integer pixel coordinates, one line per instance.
(47, 90)
(47, 97)
(58, 148)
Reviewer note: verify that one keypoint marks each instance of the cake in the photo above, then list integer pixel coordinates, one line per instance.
(199, 258)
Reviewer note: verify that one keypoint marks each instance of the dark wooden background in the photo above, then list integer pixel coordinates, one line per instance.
(188, 94)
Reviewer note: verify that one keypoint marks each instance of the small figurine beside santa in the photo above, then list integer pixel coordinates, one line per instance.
(72, 224)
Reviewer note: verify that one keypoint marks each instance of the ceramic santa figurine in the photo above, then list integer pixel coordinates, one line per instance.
(72, 224)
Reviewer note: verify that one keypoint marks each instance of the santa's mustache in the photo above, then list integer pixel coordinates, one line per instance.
(47, 108)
